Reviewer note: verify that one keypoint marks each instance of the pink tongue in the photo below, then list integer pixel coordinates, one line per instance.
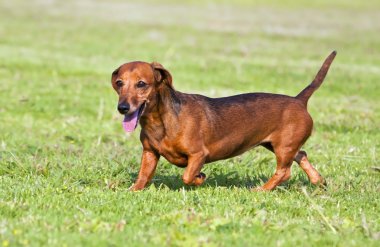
(130, 121)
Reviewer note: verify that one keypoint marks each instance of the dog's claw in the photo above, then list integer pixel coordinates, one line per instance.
(199, 179)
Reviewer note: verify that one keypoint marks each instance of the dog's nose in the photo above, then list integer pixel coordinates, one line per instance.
(123, 108)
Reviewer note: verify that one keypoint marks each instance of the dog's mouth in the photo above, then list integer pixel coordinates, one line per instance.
(130, 120)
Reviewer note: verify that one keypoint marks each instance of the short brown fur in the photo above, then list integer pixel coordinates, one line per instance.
(190, 130)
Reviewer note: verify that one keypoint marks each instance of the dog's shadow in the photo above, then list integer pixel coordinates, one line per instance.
(219, 179)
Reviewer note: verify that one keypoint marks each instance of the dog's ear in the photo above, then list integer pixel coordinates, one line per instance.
(161, 74)
(115, 73)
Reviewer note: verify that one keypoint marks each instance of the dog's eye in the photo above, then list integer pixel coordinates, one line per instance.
(140, 84)
(119, 83)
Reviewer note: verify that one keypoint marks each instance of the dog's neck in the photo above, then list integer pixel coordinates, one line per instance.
(163, 112)
(168, 100)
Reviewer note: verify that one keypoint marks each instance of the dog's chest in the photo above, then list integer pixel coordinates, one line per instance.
(170, 151)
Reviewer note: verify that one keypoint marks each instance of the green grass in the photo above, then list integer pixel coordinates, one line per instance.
(66, 164)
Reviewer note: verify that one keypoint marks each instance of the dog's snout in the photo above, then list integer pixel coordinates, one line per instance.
(123, 107)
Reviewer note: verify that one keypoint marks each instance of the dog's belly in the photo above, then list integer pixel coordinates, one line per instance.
(226, 150)
(235, 143)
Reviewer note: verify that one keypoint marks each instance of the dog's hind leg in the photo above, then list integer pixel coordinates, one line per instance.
(303, 162)
(284, 157)
(312, 173)
(285, 148)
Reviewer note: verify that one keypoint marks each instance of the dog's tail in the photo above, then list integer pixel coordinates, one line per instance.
(305, 94)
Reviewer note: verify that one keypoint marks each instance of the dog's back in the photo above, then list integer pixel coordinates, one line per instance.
(231, 125)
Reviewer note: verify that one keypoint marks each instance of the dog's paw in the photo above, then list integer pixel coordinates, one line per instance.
(199, 179)
(135, 188)
(259, 189)
(319, 181)
(322, 183)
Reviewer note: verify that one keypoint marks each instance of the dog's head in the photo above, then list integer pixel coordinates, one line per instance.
(137, 84)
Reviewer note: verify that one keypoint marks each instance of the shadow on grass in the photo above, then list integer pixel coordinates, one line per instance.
(229, 180)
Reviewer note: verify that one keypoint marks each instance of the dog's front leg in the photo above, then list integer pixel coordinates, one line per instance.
(149, 161)
(192, 174)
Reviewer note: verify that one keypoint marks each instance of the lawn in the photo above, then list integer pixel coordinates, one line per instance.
(66, 164)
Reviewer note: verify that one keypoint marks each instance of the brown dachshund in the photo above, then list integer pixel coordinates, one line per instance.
(190, 130)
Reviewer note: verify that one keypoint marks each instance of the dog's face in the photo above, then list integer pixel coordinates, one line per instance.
(136, 84)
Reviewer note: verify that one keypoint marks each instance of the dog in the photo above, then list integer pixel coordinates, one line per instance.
(190, 130)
